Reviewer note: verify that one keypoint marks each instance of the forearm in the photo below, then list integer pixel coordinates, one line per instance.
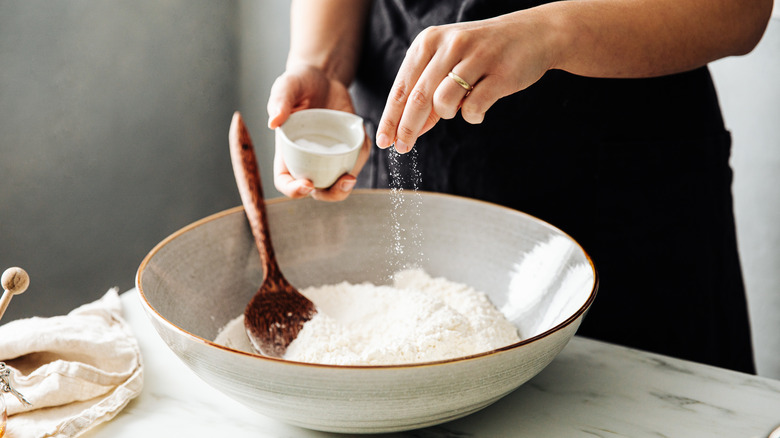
(327, 34)
(642, 38)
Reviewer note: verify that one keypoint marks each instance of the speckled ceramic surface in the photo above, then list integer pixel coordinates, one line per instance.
(322, 168)
(202, 276)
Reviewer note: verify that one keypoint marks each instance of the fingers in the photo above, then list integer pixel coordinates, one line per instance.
(433, 118)
(339, 191)
(410, 102)
(285, 183)
(300, 188)
(389, 125)
(423, 108)
(423, 92)
(285, 91)
(482, 97)
(450, 93)
(418, 114)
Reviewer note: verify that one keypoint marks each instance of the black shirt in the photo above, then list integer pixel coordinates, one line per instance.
(636, 170)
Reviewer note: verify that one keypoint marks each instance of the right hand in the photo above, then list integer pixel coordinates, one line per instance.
(300, 88)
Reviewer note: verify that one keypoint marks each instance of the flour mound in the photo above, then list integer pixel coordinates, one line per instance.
(418, 319)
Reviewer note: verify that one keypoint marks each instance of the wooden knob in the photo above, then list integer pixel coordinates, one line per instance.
(15, 280)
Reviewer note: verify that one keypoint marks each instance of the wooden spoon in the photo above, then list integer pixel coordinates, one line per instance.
(277, 312)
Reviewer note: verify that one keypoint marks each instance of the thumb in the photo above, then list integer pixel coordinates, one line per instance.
(284, 93)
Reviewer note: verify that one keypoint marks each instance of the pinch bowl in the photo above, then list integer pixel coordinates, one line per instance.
(324, 165)
(202, 276)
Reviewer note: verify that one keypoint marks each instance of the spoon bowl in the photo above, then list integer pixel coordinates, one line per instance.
(277, 312)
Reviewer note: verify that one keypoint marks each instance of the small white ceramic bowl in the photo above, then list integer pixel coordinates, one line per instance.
(198, 279)
(320, 144)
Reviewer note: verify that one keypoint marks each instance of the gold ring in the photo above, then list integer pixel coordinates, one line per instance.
(466, 86)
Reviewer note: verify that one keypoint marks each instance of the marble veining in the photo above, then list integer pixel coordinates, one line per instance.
(438, 432)
(592, 389)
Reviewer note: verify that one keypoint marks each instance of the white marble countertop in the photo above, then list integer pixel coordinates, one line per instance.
(590, 389)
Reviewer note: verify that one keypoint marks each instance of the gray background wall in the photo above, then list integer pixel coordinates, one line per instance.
(113, 134)
(749, 89)
(113, 131)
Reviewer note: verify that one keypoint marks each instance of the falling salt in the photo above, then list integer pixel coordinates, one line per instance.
(406, 249)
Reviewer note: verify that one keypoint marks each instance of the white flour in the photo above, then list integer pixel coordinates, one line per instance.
(418, 319)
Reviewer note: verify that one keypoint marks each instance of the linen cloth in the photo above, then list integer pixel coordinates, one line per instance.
(77, 370)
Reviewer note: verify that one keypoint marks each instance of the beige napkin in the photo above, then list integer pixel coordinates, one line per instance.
(77, 370)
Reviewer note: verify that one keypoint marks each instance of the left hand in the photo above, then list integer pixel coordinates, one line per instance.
(497, 57)
(302, 87)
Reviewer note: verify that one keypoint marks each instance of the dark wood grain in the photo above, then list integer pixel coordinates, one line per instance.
(277, 312)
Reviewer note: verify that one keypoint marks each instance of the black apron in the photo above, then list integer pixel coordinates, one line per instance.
(636, 170)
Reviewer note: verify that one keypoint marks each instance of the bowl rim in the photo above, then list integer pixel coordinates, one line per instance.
(149, 308)
(290, 143)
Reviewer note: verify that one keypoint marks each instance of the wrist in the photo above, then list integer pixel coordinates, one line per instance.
(557, 33)
(328, 66)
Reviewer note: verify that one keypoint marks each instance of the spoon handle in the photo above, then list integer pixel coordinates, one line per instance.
(250, 187)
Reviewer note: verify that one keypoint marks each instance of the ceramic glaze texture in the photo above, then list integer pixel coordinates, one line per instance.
(322, 165)
(195, 281)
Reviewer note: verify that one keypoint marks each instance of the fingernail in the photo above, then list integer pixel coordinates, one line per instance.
(402, 147)
(305, 190)
(383, 141)
(347, 185)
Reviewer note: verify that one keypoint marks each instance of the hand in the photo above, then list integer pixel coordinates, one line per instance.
(498, 57)
(307, 87)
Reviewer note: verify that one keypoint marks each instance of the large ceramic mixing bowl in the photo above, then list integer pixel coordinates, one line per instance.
(201, 277)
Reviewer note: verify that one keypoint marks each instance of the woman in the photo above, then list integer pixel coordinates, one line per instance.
(603, 120)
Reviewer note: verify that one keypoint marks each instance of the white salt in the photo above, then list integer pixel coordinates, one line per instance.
(322, 144)
(405, 213)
